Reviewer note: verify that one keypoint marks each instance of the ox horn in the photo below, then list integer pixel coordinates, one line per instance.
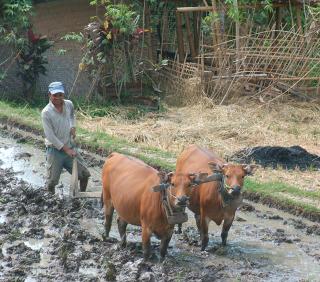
(250, 169)
(216, 168)
(213, 177)
(204, 178)
(160, 187)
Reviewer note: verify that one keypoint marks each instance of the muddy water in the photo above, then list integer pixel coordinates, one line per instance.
(28, 163)
(45, 238)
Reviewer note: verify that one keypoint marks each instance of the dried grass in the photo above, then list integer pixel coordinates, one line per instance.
(224, 129)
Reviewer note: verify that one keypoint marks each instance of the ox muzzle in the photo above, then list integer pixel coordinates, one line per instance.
(175, 213)
(235, 191)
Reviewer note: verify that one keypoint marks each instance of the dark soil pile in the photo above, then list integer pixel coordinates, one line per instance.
(275, 156)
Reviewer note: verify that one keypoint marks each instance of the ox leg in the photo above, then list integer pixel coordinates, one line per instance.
(108, 214)
(225, 229)
(204, 232)
(122, 227)
(164, 245)
(146, 245)
(197, 218)
(179, 228)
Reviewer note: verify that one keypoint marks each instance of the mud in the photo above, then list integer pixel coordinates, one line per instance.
(55, 238)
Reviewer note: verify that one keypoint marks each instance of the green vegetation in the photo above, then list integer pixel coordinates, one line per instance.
(282, 193)
(274, 188)
(98, 140)
(27, 48)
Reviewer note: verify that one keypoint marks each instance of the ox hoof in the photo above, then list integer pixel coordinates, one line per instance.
(204, 246)
(109, 239)
(162, 259)
(123, 245)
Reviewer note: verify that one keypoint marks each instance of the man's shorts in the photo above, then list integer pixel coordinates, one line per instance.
(56, 161)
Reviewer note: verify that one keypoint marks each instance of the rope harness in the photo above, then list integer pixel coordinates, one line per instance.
(223, 187)
(174, 214)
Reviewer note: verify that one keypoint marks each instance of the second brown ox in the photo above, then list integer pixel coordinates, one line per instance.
(127, 188)
(215, 200)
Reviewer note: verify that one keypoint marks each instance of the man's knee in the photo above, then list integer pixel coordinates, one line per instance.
(54, 169)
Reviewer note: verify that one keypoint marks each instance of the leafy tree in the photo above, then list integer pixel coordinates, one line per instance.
(14, 21)
(111, 47)
(16, 32)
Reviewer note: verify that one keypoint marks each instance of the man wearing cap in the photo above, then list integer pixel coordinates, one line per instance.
(58, 122)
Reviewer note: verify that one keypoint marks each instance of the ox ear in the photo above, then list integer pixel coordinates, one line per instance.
(249, 169)
(162, 176)
(169, 177)
(165, 177)
(216, 168)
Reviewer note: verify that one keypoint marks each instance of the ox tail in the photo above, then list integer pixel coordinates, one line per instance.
(101, 200)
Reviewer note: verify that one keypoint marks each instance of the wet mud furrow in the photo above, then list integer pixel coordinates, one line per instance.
(55, 238)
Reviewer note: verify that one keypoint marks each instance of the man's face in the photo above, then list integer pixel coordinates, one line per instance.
(56, 99)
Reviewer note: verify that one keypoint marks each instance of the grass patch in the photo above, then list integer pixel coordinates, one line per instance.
(272, 188)
(23, 114)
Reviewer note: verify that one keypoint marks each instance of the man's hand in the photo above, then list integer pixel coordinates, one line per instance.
(73, 132)
(70, 152)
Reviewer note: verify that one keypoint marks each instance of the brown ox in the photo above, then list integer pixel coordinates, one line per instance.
(216, 200)
(127, 187)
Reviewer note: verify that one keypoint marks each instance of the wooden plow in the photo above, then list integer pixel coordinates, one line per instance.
(74, 186)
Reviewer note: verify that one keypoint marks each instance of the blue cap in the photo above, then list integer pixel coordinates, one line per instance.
(56, 87)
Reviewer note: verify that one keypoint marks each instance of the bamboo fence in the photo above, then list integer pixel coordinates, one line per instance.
(265, 65)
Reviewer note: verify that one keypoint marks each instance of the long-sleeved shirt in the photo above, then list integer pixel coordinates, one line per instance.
(57, 125)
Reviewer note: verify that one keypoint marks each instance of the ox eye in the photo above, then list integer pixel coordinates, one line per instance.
(227, 176)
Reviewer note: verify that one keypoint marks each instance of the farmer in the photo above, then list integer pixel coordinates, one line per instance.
(58, 122)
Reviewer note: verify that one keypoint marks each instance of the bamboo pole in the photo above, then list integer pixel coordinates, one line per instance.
(196, 31)
(278, 18)
(299, 21)
(180, 38)
(190, 37)
(209, 8)
(148, 26)
(235, 5)
(165, 27)
(216, 34)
